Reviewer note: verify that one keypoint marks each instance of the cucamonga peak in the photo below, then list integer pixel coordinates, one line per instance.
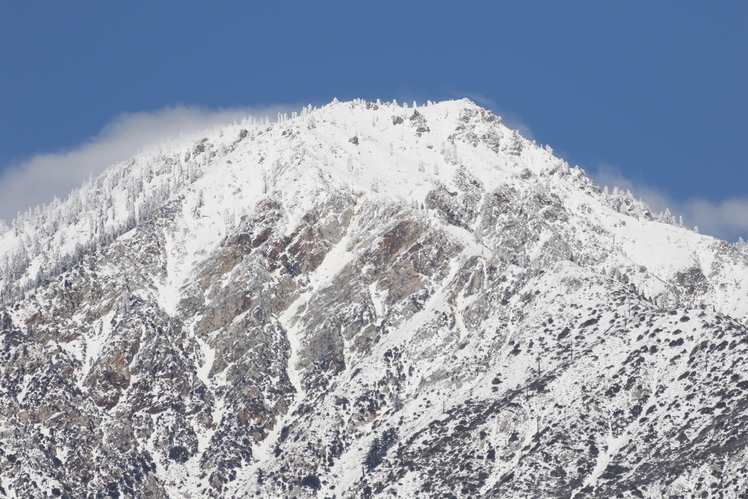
(367, 300)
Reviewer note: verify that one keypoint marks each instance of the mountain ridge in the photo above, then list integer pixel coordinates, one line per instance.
(188, 172)
(359, 301)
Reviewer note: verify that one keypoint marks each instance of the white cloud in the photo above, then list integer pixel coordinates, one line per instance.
(727, 219)
(657, 199)
(38, 179)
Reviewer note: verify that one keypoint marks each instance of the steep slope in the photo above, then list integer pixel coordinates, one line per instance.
(367, 300)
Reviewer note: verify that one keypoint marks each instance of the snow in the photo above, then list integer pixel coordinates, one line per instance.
(378, 300)
(94, 345)
(208, 355)
(211, 192)
(385, 164)
(24, 390)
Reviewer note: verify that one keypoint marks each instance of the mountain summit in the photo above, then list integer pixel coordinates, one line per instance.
(367, 300)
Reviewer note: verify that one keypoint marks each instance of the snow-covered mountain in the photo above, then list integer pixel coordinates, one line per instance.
(367, 300)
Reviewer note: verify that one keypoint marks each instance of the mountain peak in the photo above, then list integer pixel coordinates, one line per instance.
(366, 300)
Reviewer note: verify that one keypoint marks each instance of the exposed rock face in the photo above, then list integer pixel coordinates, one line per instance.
(439, 308)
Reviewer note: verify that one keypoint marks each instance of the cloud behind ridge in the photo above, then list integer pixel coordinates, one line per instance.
(726, 219)
(37, 180)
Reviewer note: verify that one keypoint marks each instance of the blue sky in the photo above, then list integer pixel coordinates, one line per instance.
(647, 95)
